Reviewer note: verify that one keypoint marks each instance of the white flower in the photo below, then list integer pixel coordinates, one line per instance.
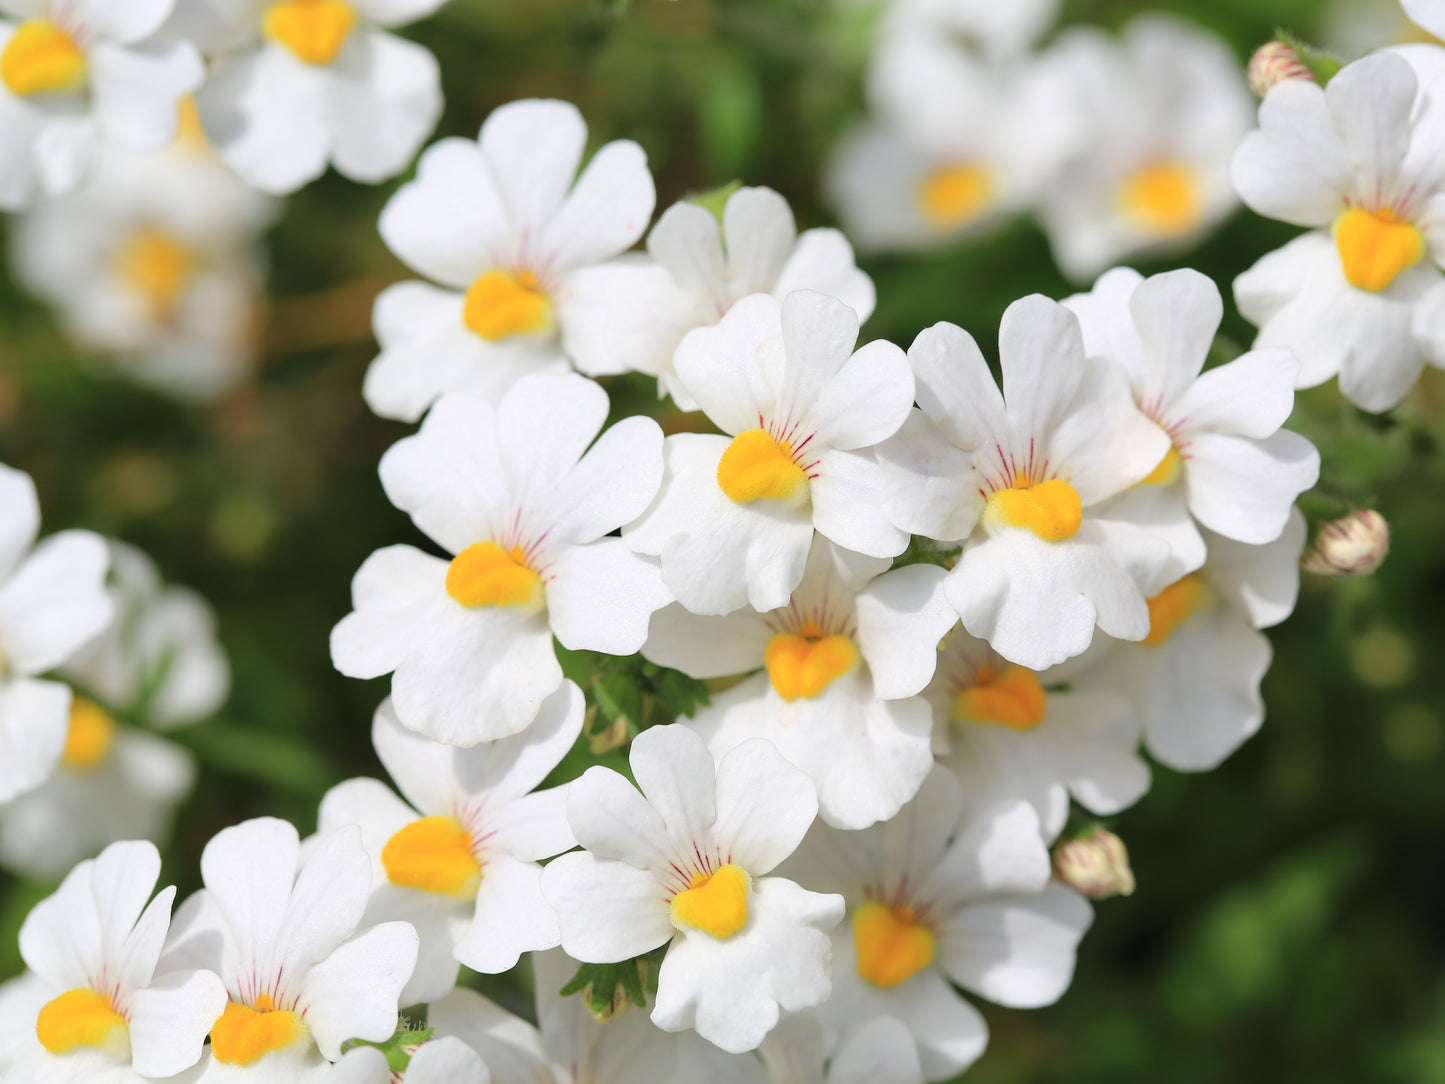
(101, 1007)
(1154, 119)
(1429, 15)
(300, 83)
(74, 72)
(52, 600)
(155, 262)
(1229, 462)
(1195, 679)
(113, 782)
(734, 520)
(1008, 735)
(1359, 162)
(881, 1051)
(994, 32)
(685, 864)
(501, 225)
(282, 935)
(936, 898)
(509, 491)
(836, 673)
(630, 314)
(1021, 478)
(460, 862)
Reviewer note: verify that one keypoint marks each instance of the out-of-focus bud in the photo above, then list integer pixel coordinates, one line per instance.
(1272, 64)
(1096, 864)
(1353, 545)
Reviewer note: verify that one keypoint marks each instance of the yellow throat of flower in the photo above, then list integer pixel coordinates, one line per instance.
(1167, 471)
(1375, 246)
(1051, 509)
(803, 664)
(953, 196)
(1012, 697)
(82, 1018)
(484, 574)
(891, 944)
(157, 266)
(756, 466)
(716, 904)
(41, 58)
(1163, 199)
(312, 30)
(244, 1035)
(1173, 606)
(91, 735)
(500, 304)
(433, 854)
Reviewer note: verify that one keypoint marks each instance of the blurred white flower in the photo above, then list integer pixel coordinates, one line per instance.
(502, 224)
(75, 73)
(990, 30)
(798, 1051)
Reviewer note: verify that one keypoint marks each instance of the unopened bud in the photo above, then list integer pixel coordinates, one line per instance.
(1273, 63)
(1096, 865)
(1353, 545)
(619, 1002)
(398, 1076)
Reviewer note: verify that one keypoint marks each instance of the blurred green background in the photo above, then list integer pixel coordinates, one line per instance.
(1289, 920)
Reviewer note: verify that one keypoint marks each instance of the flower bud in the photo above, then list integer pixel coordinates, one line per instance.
(1272, 64)
(1096, 865)
(619, 1002)
(1353, 545)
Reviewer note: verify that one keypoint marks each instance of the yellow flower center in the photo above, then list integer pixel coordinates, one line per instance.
(433, 854)
(953, 196)
(82, 1018)
(1012, 697)
(313, 30)
(500, 304)
(190, 131)
(805, 663)
(156, 266)
(243, 1035)
(892, 945)
(1163, 199)
(1375, 246)
(757, 467)
(1052, 509)
(1167, 470)
(716, 904)
(41, 58)
(1174, 605)
(90, 737)
(484, 574)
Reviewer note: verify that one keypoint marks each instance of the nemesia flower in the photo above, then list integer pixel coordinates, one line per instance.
(879, 1052)
(936, 900)
(75, 72)
(155, 262)
(734, 520)
(837, 673)
(52, 600)
(460, 862)
(630, 314)
(685, 864)
(300, 83)
(500, 226)
(282, 935)
(509, 491)
(1154, 119)
(1007, 734)
(1021, 477)
(1358, 162)
(1229, 462)
(103, 1008)
(1194, 679)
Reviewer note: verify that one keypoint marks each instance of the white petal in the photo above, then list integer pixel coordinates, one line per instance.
(447, 1061)
(533, 148)
(1017, 951)
(760, 232)
(735, 370)
(353, 993)
(512, 917)
(707, 647)
(55, 602)
(902, 615)
(1251, 396)
(611, 486)
(823, 261)
(606, 911)
(1043, 361)
(20, 521)
(169, 1021)
(611, 818)
(1245, 489)
(675, 772)
(136, 91)
(867, 400)
(930, 485)
(997, 852)
(605, 214)
(764, 807)
(1260, 581)
(385, 98)
(849, 504)
(34, 723)
(1294, 167)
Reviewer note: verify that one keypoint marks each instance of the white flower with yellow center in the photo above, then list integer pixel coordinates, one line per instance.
(507, 490)
(460, 861)
(300, 83)
(630, 314)
(1007, 734)
(1359, 162)
(155, 263)
(1229, 463)
(76, 72)
(881, 1051)
(1194, 679)
(500, 226)
(938, 899)
(52, 600)
(836, 673)
(1154, 119)
(735, 518)
(1021, 479)
(97, 1006)
(685, 864)
(282, 934)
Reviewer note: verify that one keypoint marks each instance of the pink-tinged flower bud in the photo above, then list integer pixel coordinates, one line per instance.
(1353, 545)
(1272, 64)
(1096, 865)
